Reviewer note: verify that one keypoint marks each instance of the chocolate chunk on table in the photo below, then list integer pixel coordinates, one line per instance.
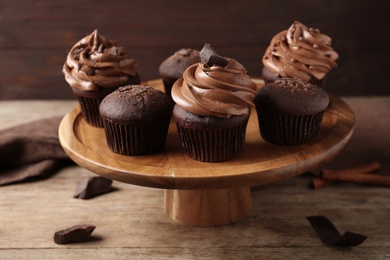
(331, 236)
(74, 234)
(92, 186)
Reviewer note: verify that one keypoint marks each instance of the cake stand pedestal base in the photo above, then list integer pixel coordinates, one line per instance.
(206, 208)
(207, 194)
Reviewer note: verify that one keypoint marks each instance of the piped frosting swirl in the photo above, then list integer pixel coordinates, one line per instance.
(96, 62)
(215, 90)
(300, 52)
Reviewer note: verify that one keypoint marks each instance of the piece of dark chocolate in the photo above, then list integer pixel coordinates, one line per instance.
(331, 236)
(210, 57)
(74, 234)
(92, 186)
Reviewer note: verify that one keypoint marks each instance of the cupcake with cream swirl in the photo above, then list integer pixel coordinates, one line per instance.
(299, 52)
(213, 104)
(95, 67)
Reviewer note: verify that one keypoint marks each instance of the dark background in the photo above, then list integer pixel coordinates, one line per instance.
(35, 36)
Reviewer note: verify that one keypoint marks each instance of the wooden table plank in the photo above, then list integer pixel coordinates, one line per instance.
(131, 223)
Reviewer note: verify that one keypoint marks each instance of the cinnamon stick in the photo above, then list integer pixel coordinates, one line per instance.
(364, 168)
(357, 177)
(319, 182)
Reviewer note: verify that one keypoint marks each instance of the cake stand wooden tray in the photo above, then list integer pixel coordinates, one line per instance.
(207, 194)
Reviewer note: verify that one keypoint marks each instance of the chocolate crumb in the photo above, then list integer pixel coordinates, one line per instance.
(92, 186)
(113, 51)
(184, 52)
(210, 57)
(74, 234)
(76, 53)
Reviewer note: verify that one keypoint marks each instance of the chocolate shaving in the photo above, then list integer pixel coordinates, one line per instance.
(331, 236)
(75, 234)
(76, 53)
(92, 186)
(210, 57)
(114, 51)
(100, 49)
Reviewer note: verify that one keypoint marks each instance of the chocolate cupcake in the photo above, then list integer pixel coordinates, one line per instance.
(213, 105)
(173, 67)
(299, 52)
(136, 119)
(290, 111)
(95, 67)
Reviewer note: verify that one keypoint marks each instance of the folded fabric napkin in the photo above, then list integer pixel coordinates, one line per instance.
(30, 150)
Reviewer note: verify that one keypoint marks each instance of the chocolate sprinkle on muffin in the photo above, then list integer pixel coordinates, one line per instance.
(290, 111)
(136, 119)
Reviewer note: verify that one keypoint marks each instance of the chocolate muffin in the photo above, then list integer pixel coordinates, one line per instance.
(213, 105)
(299, 52)
(95, 67)
(173, 67)
(211, 139)
(136, 119)
(290, 111)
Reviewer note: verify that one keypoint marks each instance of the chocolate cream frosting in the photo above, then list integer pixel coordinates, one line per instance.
(300, 52)
(96, 62)
(215, 90)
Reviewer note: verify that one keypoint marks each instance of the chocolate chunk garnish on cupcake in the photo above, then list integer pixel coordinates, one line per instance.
(213, 104)
(299, 52)
(210, 57)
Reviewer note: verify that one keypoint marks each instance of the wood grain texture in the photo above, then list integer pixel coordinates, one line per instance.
(35, 37)
(171, 168)
(131, 223)
(207, 208)
(219, 192)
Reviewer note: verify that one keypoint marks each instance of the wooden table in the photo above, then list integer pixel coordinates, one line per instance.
(131, 223)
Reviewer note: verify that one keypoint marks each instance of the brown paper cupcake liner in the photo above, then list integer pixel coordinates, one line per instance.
(90, 110)
(136, 139)
(90, 101)
(213, 146)
(288, 130)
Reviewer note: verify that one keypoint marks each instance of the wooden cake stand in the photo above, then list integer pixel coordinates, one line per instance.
(207, 194)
